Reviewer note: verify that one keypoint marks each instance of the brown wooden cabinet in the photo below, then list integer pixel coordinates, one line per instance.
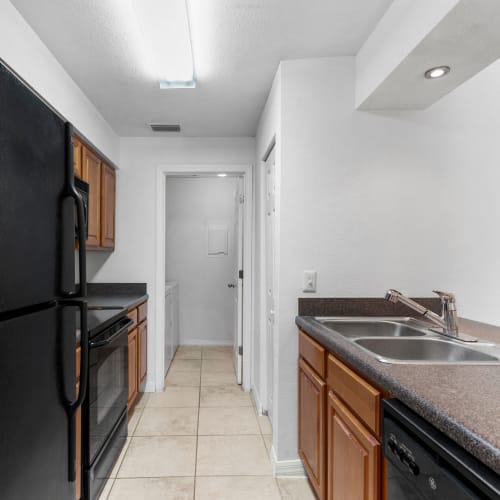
(101, 178)
(108, 193)
(339, 426)
(77, 157)
(353, 456)
(91, 173)
(137, 352)
(312, 443)
(142, 355)
(132, 367)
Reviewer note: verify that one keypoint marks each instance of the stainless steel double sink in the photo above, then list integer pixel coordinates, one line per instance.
(407, 340)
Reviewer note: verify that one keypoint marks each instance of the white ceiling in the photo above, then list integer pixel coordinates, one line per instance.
(237, 46)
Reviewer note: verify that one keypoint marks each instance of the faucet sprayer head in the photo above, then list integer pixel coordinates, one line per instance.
(392, 296)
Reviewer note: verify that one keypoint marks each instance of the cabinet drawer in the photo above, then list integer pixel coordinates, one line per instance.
(133, 314)
(359, 395)
(313, 353)
(143, 312)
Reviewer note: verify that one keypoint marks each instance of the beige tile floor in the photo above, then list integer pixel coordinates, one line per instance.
(200, 439)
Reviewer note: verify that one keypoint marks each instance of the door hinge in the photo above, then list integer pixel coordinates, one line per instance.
(240, 350)
(240, 274)
(242, 198)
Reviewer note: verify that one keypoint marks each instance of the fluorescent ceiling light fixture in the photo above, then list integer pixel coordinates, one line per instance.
(221, 175)
(160, 33)
(165, 84)
(437, 72)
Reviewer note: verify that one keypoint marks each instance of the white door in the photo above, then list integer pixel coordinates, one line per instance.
(238, 281)
(270, 266)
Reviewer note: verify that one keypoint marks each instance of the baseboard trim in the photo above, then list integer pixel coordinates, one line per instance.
(256, 399)
(286, 467)
(150, 386)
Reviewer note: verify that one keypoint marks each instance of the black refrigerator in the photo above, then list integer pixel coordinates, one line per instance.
(41, 214)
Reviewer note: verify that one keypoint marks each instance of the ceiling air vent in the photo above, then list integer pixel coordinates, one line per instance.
(162, 127)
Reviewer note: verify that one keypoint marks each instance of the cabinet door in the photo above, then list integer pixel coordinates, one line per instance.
(91, 173)
(132, 367)
(312, 435)
(353, 456)
(108, 187)
(142, 355)
(77, 157)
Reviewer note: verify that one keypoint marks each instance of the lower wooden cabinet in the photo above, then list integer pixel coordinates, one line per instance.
(312, 443)
(339, 427)
(137, 352)
(142, 355)
(132, 367)
(353, 456)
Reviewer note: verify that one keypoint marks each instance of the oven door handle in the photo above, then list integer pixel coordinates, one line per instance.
(101, 343)
(73, 406)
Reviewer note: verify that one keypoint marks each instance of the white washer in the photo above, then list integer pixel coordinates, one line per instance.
(171, 321)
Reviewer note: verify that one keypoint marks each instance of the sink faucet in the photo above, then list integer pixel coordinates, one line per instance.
(447, 322)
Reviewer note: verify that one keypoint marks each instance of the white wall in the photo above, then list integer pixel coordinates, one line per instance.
(379, 200)
(206, 304)
(25, 53)
(134, 257)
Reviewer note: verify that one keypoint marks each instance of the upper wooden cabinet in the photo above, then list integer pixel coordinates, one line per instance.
(91, 173)
(77, 157)
(108, 192)
(101, 179)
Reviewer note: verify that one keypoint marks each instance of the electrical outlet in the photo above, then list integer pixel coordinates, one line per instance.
(310, 278)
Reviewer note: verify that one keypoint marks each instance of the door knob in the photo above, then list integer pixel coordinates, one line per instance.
(231, 285)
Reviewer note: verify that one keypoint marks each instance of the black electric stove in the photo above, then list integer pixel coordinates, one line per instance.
(100, 318)
(105, 405)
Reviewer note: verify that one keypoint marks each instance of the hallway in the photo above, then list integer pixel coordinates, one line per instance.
(199, 439)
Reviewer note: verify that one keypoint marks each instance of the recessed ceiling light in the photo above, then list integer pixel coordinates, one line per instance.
(437, 72)
(221, 175)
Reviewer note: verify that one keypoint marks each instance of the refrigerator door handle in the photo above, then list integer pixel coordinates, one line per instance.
(80, 215)
(73, 406)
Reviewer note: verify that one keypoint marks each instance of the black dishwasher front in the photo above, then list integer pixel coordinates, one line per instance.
(424, 464)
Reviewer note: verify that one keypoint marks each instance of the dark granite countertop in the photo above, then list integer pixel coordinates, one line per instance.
(126, 295)
(463, 401)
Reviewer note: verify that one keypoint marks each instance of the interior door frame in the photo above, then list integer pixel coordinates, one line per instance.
(239, 313)
(266, 377)
(162, 172)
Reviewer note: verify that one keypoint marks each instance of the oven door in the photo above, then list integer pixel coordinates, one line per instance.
(107, 391)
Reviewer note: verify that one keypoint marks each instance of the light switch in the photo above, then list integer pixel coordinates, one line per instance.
(310, 278)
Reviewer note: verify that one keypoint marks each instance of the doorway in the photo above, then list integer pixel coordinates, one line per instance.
(205, 223)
